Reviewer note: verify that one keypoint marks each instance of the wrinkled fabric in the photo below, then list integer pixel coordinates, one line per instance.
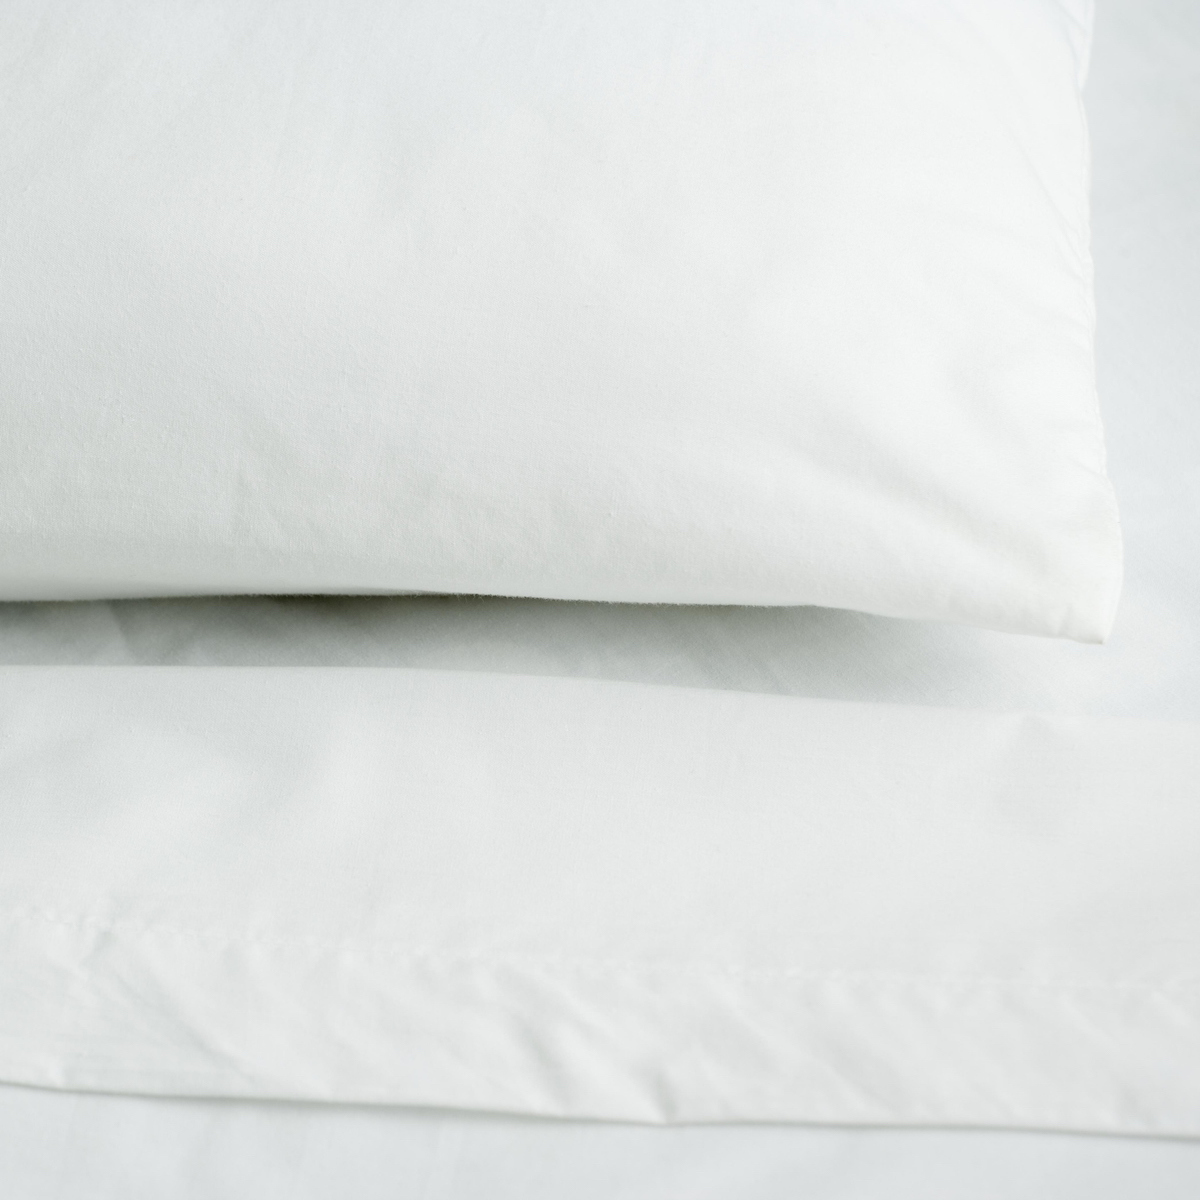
(581, 899)
(1143, 109)
(749, 302)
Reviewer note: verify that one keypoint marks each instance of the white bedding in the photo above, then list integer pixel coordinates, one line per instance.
(590, 899)
(755, 301)
(64, 1146)
(1145, 109)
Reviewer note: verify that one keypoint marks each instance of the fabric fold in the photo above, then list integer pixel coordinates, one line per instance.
(574, 898)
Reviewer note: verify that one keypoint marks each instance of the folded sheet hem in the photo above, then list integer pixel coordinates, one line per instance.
(164, 1012)
(580, 899)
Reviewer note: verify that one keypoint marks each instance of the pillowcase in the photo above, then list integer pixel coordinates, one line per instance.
(743, 302)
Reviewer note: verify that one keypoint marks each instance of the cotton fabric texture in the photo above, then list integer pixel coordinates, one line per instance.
(753, 302)
(1142, 101)
(581, 899)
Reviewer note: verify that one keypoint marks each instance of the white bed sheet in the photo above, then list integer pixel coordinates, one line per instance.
(62, 1147)
(1144, 101)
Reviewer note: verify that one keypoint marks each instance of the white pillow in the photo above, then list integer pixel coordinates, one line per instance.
(749, 301)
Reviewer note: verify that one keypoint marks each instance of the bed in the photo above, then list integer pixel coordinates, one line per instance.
(1071, 874)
